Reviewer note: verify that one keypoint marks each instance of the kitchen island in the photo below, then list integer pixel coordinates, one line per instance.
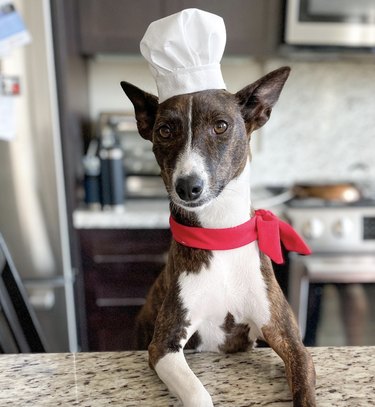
(345, 377)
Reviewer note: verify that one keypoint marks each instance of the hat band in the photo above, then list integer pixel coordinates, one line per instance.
(190, 80)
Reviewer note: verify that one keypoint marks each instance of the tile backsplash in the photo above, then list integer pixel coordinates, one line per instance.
(322, 128)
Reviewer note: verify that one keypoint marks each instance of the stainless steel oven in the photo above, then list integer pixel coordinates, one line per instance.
(331, 22)
(342, 239)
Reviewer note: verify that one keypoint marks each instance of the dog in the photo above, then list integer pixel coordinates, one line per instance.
(214, 300)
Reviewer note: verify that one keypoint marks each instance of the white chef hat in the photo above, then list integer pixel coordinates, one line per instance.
(184, 52)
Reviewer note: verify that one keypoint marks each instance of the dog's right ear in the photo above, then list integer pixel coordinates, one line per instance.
(257, 100)
(145, 107)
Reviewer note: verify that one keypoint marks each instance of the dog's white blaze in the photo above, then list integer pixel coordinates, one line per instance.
(233, 281)
(189, 161)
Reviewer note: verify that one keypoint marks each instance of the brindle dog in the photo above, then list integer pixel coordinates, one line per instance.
(214, 300)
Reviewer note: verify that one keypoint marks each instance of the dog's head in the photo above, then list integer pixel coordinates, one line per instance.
(201, 140)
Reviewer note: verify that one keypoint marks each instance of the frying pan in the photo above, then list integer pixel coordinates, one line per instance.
(343, 192)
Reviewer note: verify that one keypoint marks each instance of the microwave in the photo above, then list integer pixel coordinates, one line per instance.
(347, 23)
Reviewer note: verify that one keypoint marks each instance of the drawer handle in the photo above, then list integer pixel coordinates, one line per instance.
(130, 258)
(120, 302)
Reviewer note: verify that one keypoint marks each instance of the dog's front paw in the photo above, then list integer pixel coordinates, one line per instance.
(201, 399)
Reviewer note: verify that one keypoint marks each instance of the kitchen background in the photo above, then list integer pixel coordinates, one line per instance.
(321, 131)
(328, 101)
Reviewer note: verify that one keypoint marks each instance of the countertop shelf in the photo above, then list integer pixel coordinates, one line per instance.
(135, 214)
(154, 213)
(345, 376)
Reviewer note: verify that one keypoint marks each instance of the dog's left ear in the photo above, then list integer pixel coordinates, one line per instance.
(257, 100)
(145, 107)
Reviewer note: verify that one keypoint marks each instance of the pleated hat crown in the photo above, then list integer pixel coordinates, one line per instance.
(184, 51)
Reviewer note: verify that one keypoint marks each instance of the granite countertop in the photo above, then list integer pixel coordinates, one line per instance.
(345, 377)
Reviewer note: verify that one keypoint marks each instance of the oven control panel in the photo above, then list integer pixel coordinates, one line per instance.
(369, 228)
(332, 229)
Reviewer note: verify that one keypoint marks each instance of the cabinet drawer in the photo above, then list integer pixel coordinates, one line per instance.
(104, 242)
(121, 282)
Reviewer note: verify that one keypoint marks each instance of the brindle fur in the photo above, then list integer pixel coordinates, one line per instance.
(237, 336)
(282, 335)
(162, 321)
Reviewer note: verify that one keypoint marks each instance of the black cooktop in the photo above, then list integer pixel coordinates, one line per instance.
(323, 203)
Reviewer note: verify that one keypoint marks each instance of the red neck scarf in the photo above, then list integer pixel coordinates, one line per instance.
(264, 227)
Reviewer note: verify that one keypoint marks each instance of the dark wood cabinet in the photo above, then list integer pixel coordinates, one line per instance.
(254, 27)
(117, 26)
(114, 26)
(119, 267)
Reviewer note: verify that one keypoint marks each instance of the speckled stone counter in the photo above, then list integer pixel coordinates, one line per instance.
(345, 377)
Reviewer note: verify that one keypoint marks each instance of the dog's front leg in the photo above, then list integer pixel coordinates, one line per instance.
(173, 329)
(282, 334)
(174, 371)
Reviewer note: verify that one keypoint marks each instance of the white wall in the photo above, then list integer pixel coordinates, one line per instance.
(323, 126)
(106, 73)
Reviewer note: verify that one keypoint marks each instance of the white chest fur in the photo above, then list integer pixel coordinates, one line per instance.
(233, 281)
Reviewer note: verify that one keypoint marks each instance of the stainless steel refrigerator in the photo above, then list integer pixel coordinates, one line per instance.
(33, 215)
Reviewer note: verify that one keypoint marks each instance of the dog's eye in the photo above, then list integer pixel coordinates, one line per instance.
(220, 127)
(165, 131)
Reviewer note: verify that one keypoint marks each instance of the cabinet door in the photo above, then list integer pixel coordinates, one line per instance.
(119, 267)
(113, 26)
(254, 27)
(115, 294)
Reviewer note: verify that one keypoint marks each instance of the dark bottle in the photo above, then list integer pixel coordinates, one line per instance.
(91, 165)
(112, 171)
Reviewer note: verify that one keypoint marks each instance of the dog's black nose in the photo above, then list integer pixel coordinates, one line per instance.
(189, 188)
